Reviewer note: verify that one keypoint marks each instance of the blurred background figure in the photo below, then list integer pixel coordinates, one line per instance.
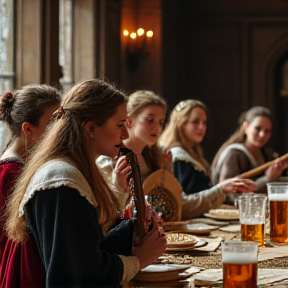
(183, 136)
(247, 149)
(145, 120)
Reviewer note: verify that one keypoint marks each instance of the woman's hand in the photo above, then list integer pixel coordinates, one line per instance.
(275, 170)
(233, 185)
(120, 174)
(152, 245)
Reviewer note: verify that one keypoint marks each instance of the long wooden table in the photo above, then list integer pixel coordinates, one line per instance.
(212, 260)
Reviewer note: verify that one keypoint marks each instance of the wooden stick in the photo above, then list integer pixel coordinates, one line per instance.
(254, 172)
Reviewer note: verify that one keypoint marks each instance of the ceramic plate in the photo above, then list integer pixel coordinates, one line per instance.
(197, 228)
(231, 228)
(174, 226)
(200, 228)
(223, 214)
(207, 221)
(161, 273)
(221, 217)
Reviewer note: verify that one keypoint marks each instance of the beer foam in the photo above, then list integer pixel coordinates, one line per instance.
(278, 197)
(253, 221)
(239, 258)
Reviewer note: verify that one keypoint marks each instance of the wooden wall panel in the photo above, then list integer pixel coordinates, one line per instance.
(28, 42)
(225, 53)
(84, 39)
(37, 42)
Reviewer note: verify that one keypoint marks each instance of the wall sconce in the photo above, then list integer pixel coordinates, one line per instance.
(137, 45)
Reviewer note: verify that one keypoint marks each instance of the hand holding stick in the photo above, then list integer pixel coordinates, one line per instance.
(256, 171)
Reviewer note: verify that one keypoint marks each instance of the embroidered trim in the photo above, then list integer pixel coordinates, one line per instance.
(10, 160)
(131, 266)
(54, 174)
(178, 153)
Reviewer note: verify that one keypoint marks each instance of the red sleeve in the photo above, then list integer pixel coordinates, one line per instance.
(9, 171)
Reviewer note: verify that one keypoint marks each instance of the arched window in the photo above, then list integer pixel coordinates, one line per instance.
(7, 72)
(65, 43)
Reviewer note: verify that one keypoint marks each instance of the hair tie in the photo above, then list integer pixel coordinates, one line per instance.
(58, 113)
(181, 105)
(7, 95)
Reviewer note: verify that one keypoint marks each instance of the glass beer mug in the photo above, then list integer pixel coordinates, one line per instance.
(252, 211)
(278, 200)
(239, 260)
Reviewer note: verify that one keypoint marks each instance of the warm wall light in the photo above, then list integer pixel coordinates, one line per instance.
(125, 33)
(149, 33)
(138, 42)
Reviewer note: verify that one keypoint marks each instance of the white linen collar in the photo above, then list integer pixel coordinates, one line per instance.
(56, 173)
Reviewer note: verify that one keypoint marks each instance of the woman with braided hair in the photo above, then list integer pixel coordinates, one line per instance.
(26, 112)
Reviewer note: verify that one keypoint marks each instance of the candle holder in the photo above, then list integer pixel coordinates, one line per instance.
(138, 45)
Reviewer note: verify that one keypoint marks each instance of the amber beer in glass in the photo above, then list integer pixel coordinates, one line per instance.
(240, 260)
(278, 199)
(252, 210)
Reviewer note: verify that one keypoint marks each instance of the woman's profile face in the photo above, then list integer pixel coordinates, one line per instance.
(195, 127)
(42, 124)
(258, 131)
(148, 124)
(110, 135)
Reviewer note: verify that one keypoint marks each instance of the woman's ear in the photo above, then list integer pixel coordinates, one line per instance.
(27, 128)
(90, 128)
(245, 125)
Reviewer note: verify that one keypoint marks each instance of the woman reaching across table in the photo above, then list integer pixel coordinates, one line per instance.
(246, 149)
(65, 203)
(183, 136)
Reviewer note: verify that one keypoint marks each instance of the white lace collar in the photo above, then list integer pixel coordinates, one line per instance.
(178, 153)
(56, 173)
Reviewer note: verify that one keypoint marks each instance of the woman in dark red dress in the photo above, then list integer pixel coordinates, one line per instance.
(26, 113)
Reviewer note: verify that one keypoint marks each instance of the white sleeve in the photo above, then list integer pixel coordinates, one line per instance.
(194, 205)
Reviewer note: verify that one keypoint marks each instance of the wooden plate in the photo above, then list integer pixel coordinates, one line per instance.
(179, 240)
(199, 243)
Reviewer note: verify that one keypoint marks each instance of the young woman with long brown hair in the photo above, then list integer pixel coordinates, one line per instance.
(65, 203)
(183, 136)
